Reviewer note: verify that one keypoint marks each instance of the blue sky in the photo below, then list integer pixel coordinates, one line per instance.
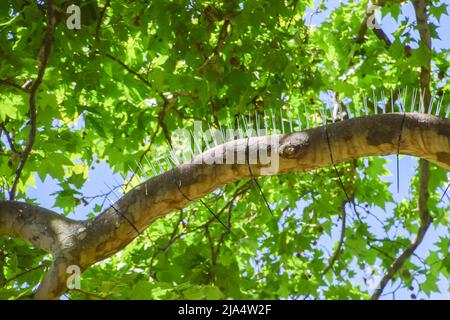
(102, 177)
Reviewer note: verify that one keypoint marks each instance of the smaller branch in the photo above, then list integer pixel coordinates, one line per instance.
(8, 83)
(8, 138)
(338, 250)
(100, 18)
(400, 261)
(134, 73)
(220, 43)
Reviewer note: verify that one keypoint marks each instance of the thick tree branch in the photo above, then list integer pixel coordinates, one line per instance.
(85, 242)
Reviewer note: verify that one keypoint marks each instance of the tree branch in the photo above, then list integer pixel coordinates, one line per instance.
(134, 73)
(45, 53)
(424, 166)
(400, 261)
(338, 250)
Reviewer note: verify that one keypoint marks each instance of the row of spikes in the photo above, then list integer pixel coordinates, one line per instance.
(254, 124)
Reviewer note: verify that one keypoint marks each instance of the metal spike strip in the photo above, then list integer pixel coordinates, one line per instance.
(252, 124)
(274, 122)
(169, 164)
(357, 108)
(421, 103)
(221, 131)
(350, 113)
(155, 173)
(448, 111)
(323, 115)
(258, 131)
(299, 120)
(266, 125)
(383, 102)
(144, 174)
(392, 101)
(366, 110)
(405, 96)
(430, 105)
(213, 135)
(438, 109)
(160, 166)
(134, 173)
(240, 131)
(400, 104)
(245, 125)
(341, 112)
(174, 156)
(191, 149)
(230, 131)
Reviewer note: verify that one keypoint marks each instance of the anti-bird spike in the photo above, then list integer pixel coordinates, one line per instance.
(438, 109)
(213, 135)
(174, 156)
(244, 121)
(168, 162)
(144, 174)
(299, 120)
(134, 173)
(365, 110)
(307, 117)
(448, 111)
(290, 123)
(155, 173)
(274, 122)
(375, 102)
(160, 166)
(431, 104)
(257, 124)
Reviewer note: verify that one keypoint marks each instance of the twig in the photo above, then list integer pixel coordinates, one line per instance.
(135, 73)
(337, 252)
(100, 18)
(88, 294)
(2, 283)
